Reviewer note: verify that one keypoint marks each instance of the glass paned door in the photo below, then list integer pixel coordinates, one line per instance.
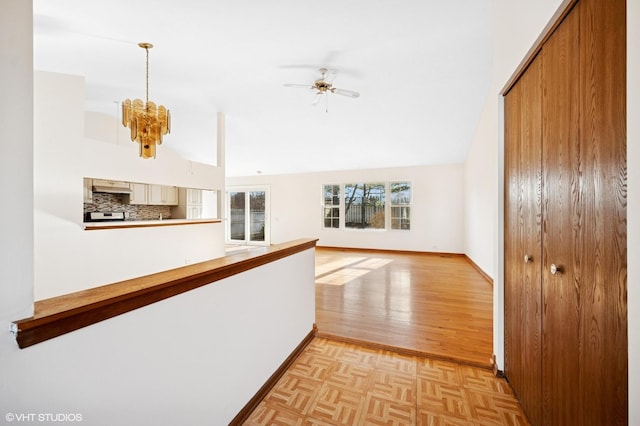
(247, 213)
(257, 213)
(237, 216)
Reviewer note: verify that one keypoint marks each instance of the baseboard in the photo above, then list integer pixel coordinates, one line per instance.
(479, 269)
(391, 251)
(246, 411)
(496, 370)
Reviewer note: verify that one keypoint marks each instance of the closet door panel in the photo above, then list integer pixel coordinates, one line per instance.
(531, 180)
(513, 294)
(523, 240)
(563, 225)
(603, 313)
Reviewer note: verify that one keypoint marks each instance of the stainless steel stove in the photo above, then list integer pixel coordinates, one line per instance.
(104, 216)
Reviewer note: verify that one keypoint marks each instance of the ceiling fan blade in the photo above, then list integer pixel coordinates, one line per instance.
(316, 99)
(330, 75)
(302, 86)
(343, 92)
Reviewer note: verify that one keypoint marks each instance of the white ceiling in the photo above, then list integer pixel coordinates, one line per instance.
(422, 68)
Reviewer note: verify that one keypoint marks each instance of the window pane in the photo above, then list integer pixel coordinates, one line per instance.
(257, 215)
(400, 218)
(331, 195)
(364, 205)
(237, 207)
(400, 193)
(331, 217)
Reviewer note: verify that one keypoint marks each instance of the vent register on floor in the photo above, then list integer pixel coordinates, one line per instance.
(109, 200)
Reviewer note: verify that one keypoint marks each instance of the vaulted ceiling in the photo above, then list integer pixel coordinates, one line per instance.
(422, 69)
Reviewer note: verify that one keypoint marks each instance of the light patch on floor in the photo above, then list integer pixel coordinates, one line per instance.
(348, 268)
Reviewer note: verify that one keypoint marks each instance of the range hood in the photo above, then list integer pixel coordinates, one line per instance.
(112, 189)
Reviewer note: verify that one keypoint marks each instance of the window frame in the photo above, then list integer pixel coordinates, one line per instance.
(339, 206)
(385, 194)
(387, 205)
(408, 205)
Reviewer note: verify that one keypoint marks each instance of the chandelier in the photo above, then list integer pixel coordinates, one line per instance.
(148, 122)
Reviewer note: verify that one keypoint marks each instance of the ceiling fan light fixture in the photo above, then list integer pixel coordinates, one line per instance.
(148, 122)
(323, 86)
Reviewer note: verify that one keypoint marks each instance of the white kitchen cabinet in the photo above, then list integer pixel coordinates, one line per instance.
(194, 203)
(155, 195)
(88, 190)
(194, 196)
(170, 195)
(194, 212)
(162, 195)
(110, 183)
(138, 193)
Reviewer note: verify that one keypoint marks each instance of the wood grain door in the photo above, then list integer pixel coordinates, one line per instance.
(523, 293)
(563, 223)
(513, 295)
(584, 227)
(603, 282)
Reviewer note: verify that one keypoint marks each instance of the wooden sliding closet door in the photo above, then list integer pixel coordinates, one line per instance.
(584, 227)
(564, 225)
(523, 299)
(565, 209)
(603, 285)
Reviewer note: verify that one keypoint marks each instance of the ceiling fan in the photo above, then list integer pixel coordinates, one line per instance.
(323, 86)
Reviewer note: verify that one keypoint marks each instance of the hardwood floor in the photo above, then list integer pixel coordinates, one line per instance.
(337, 383)
(430, 304)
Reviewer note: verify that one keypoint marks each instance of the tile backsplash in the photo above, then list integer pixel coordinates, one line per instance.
(103, 202)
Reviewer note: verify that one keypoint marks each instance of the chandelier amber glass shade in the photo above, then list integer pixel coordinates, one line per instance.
(148, 122)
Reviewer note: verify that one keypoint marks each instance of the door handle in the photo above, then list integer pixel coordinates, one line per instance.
(527, 258)
(555, 269)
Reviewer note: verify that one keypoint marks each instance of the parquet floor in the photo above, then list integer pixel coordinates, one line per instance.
(336, 383)
(433, 304)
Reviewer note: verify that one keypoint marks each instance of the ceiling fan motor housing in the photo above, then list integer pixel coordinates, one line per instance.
(322, 85)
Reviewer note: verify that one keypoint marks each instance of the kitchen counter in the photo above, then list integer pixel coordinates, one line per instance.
(90, 226)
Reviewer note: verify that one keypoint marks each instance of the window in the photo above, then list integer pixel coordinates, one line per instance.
(400, 205)
(367, 205)
(331, 206)
(364, 205)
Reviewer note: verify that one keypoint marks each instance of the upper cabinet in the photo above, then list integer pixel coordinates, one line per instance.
(109, 183)
(88, 190)
(160, 195)
(138, 193)
(194, 203)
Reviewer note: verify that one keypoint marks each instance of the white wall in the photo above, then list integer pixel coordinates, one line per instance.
(16, 170)
(517, 25)
(436, 213)
(633, 212)
(67, 258)
(480, 198)
(194, 359)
